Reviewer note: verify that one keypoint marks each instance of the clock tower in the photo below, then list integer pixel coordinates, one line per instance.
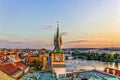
(57, 56)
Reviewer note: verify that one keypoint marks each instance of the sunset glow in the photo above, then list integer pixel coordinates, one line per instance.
(83, 23)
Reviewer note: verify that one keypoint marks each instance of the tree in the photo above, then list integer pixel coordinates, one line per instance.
(76, 53)
(36, 65)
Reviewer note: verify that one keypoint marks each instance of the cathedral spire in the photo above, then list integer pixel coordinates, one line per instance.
(58, 28)
(58, 42)
(54, 39)
(57, 39)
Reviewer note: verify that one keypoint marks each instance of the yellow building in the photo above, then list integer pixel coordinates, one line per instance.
(4, 76)
(12, 71)
(57, 56)
(42, 57)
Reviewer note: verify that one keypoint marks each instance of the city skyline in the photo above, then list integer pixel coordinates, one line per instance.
(83, 23)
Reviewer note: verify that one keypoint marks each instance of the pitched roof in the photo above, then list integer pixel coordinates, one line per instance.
(8, 68)
(17, 57)
(20, 64)
(2, 53)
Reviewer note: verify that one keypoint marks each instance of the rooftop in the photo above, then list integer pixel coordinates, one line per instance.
(58, 65)
(94, 74)
(20, 64)
(8, 68)
(11, 68)
(33, 75)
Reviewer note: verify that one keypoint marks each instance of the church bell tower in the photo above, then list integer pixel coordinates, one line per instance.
(57, 56)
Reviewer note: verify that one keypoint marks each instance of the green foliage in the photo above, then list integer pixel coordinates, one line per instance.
(36, 65)
(96, 56)
(76, 53)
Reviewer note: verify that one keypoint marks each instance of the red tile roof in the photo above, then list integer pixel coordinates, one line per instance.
(3, 56)
(8, 68)
(20, 64)
(2, 53)
(17, 57)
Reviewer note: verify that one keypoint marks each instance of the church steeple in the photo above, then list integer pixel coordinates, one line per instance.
(57, 40)
(58, 28)
(57, 55)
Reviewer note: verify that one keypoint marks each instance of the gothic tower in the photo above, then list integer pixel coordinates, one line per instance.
(57, 57)
(57, 41)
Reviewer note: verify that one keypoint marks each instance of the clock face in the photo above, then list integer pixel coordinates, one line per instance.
(57, 58)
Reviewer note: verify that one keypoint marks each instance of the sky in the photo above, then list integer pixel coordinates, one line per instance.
(83, 23)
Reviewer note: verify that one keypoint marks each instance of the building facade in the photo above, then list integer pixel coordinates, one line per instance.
(42, 57)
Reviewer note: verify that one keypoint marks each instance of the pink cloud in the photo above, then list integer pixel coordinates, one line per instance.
(78, 41)
(64, 33)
